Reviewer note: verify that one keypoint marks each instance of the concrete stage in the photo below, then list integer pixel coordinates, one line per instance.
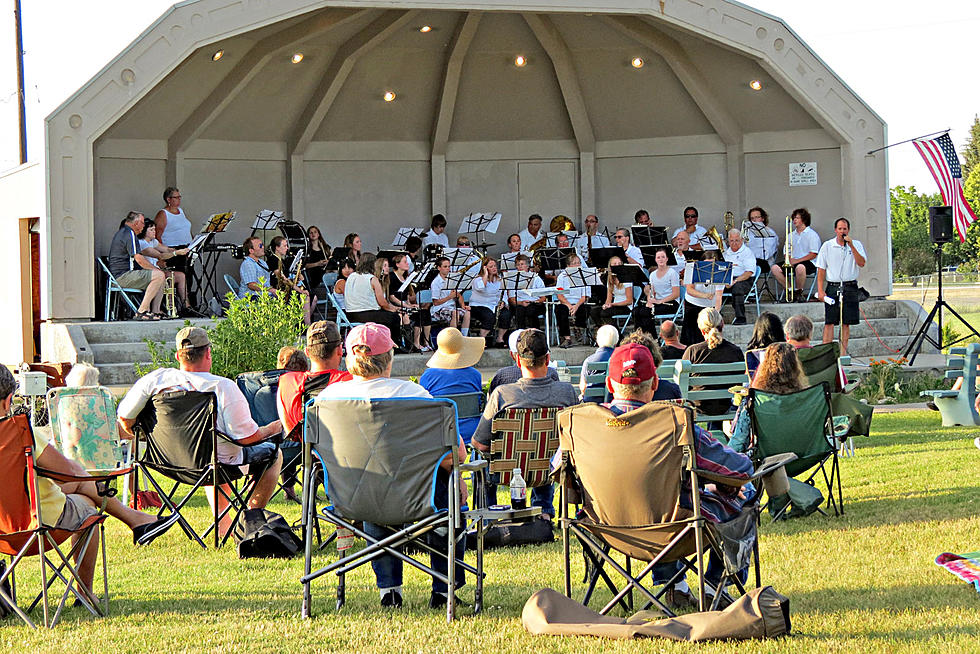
(114, 347)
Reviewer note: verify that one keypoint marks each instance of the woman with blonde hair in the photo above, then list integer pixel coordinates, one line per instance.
(365, 297)
(619, 297)
(715, 348)
(780, 372)
(697, 297)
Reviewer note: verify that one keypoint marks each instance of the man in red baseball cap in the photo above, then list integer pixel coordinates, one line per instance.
(632, 377)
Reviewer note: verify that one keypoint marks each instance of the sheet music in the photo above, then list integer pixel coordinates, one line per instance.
(405, 233)
(494, 223)
(409, 280)
(460, 257)
(480, 222)
(297, 262)
(582, 277)
(518, 280)
(217, 222)
(717, 272)
(267, 219)
(508, 261)
(198, 241)
(461, 280)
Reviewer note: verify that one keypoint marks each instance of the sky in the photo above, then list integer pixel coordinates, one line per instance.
(915, 63)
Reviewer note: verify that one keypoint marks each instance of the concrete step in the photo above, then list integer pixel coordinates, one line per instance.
(117, 374)
(873, 309)
(132, 331)
(123, 352)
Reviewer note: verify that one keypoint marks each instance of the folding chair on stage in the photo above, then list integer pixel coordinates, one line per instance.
(628, 473)
(23, 534)
(381, 462)
(800, 423)
(181, 435)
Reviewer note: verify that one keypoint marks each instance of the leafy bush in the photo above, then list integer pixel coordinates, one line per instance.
(247, 338)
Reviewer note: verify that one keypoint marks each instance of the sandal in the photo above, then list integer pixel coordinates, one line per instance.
(146, 315)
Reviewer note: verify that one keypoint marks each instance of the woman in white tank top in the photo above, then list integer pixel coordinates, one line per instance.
(173, 227)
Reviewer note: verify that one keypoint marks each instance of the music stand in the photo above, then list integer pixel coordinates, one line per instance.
(650, 255)
(517, 280)
(460, 257)
(584, 277)
(718, 273)
(508, 261)
(390, 254)
(630, 273)
(551, 259)
(215, 224)
(480, 223)
(648, 235)
(337, 255)
(405, 233)
(706, 240)
(601, 256)
(460, 280)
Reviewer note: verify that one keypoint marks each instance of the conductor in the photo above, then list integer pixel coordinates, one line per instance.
(837, 272)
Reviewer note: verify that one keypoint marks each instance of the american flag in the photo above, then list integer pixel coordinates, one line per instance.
(940, 157)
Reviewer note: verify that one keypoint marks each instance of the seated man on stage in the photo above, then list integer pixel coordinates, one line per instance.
(526, 309)
(743, 272)
(633, 253)
(444, 307)
(642, 217)
(695, 232)
(250, 444)
(128, 264)
(437, 232)
(802, 249)
(533, 233)
(571, 305)
(591, 238)
(254, 271)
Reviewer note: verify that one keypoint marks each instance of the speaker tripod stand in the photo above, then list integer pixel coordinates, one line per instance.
(937, 312)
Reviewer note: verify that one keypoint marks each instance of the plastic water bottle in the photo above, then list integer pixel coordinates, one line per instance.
(518, 490)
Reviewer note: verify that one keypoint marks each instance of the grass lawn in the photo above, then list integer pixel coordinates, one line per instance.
(865, 582)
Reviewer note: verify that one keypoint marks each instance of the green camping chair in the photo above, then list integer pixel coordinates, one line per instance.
(823, 363)
(800, 423)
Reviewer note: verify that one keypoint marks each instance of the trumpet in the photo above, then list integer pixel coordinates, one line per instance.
(790, 275)
(170, 296)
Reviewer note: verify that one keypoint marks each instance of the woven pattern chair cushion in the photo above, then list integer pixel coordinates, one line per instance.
(525, 439)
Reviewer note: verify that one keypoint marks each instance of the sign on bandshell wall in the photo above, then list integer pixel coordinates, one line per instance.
(803, 173)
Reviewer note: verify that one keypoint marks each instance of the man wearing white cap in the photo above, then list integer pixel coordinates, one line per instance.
(510, 374)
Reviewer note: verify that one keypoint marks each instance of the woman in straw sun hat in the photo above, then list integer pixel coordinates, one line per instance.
(451, 371)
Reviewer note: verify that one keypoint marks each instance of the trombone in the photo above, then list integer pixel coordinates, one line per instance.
(787, 266)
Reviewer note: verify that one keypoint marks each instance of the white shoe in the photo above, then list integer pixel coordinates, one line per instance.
(976, 441)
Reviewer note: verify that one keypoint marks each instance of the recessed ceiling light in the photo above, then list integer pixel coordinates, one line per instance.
(389, 96)
(636, 62)
(425, 29)
(520, 61)
(217, 55)
(296, 58)
(755, 85)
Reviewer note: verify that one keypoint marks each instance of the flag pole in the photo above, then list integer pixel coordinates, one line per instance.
(942, 131)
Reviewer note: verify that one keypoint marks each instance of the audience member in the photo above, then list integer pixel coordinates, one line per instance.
(68, 504)
(768, 330)
(247, 443)
(451, 372)
(779, 372)
(292, 359)
(606, 338)
(666, 389)
(673, 348)
(82, 374)
(799, 330)
(510, 374)
(535, 389)
(370, 354)
(714, 349)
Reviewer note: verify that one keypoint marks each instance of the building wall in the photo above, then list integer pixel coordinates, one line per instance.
(22, 190)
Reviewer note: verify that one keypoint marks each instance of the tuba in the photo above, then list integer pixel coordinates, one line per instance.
(561, 223)
(713, 233)
(729, 222)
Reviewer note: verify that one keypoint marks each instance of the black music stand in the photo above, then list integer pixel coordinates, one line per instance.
(517, 280)
(480, 223)
(552, 259)
(390, 254)
(630, 273)
(601, 256)
(337, 255)
(650, 255)
(648, 235)
(266, 220)
(461, 280)
(460, 257)
(209, 256)
(405, 233)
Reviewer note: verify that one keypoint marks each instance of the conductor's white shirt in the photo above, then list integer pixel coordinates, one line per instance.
(838, 260)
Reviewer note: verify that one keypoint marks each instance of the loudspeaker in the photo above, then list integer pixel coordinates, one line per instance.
(941, 224)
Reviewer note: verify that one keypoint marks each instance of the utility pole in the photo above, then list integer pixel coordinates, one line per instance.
(21, 107)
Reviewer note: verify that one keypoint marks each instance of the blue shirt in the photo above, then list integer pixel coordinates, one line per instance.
(599, 356)
(441, 382)
(667, 390)
(250, 271)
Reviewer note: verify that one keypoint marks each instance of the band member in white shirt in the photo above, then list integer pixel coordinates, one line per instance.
(697, 233)
(533, 233)
(571, 305)
(743, 270)
(591, 238)
(761, 238)
(642, 217)
(437, 232)
(682, 246)
(444, 301)
(633, 253)
(838, 264)
(805, 246)
(526, 309)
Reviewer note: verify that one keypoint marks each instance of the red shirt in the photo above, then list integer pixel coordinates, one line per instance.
(290, 398)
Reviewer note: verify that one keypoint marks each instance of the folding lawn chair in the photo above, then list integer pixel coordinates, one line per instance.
(181, 434)
(23, 534)
(525, 439)
(628, 473)
(824, 363)
(381, 461)
(595, 381)
(801, 423)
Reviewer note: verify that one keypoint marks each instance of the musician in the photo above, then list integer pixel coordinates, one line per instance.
(444, 307)
(407, 301)
(254, 272)
(591, 238)
(696, 233)
(571, 304)
(279, 275)
(353, 241)
(642, 217)
(697, 297)
(316, 258)
(633, 253)
(804, 244)
(365, 297)
(561, 241)
(487, 305)
(619, 296)
(148, 243)
(682, 244)
(743, 270)
(437, 232)
(344, 270)
(514, 244)
(463, 242)
(413, 245)
(837, 271)
(173, 227)
(662, 295)
(761, 238)
(532, 234)
(526, 309)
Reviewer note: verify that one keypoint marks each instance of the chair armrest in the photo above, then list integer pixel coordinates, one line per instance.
(772, 463)
(473, 466)
(101, 475)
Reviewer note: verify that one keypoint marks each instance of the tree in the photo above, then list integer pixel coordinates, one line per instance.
(971, 150)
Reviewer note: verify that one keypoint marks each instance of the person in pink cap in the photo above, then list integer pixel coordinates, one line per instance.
(370, 353)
